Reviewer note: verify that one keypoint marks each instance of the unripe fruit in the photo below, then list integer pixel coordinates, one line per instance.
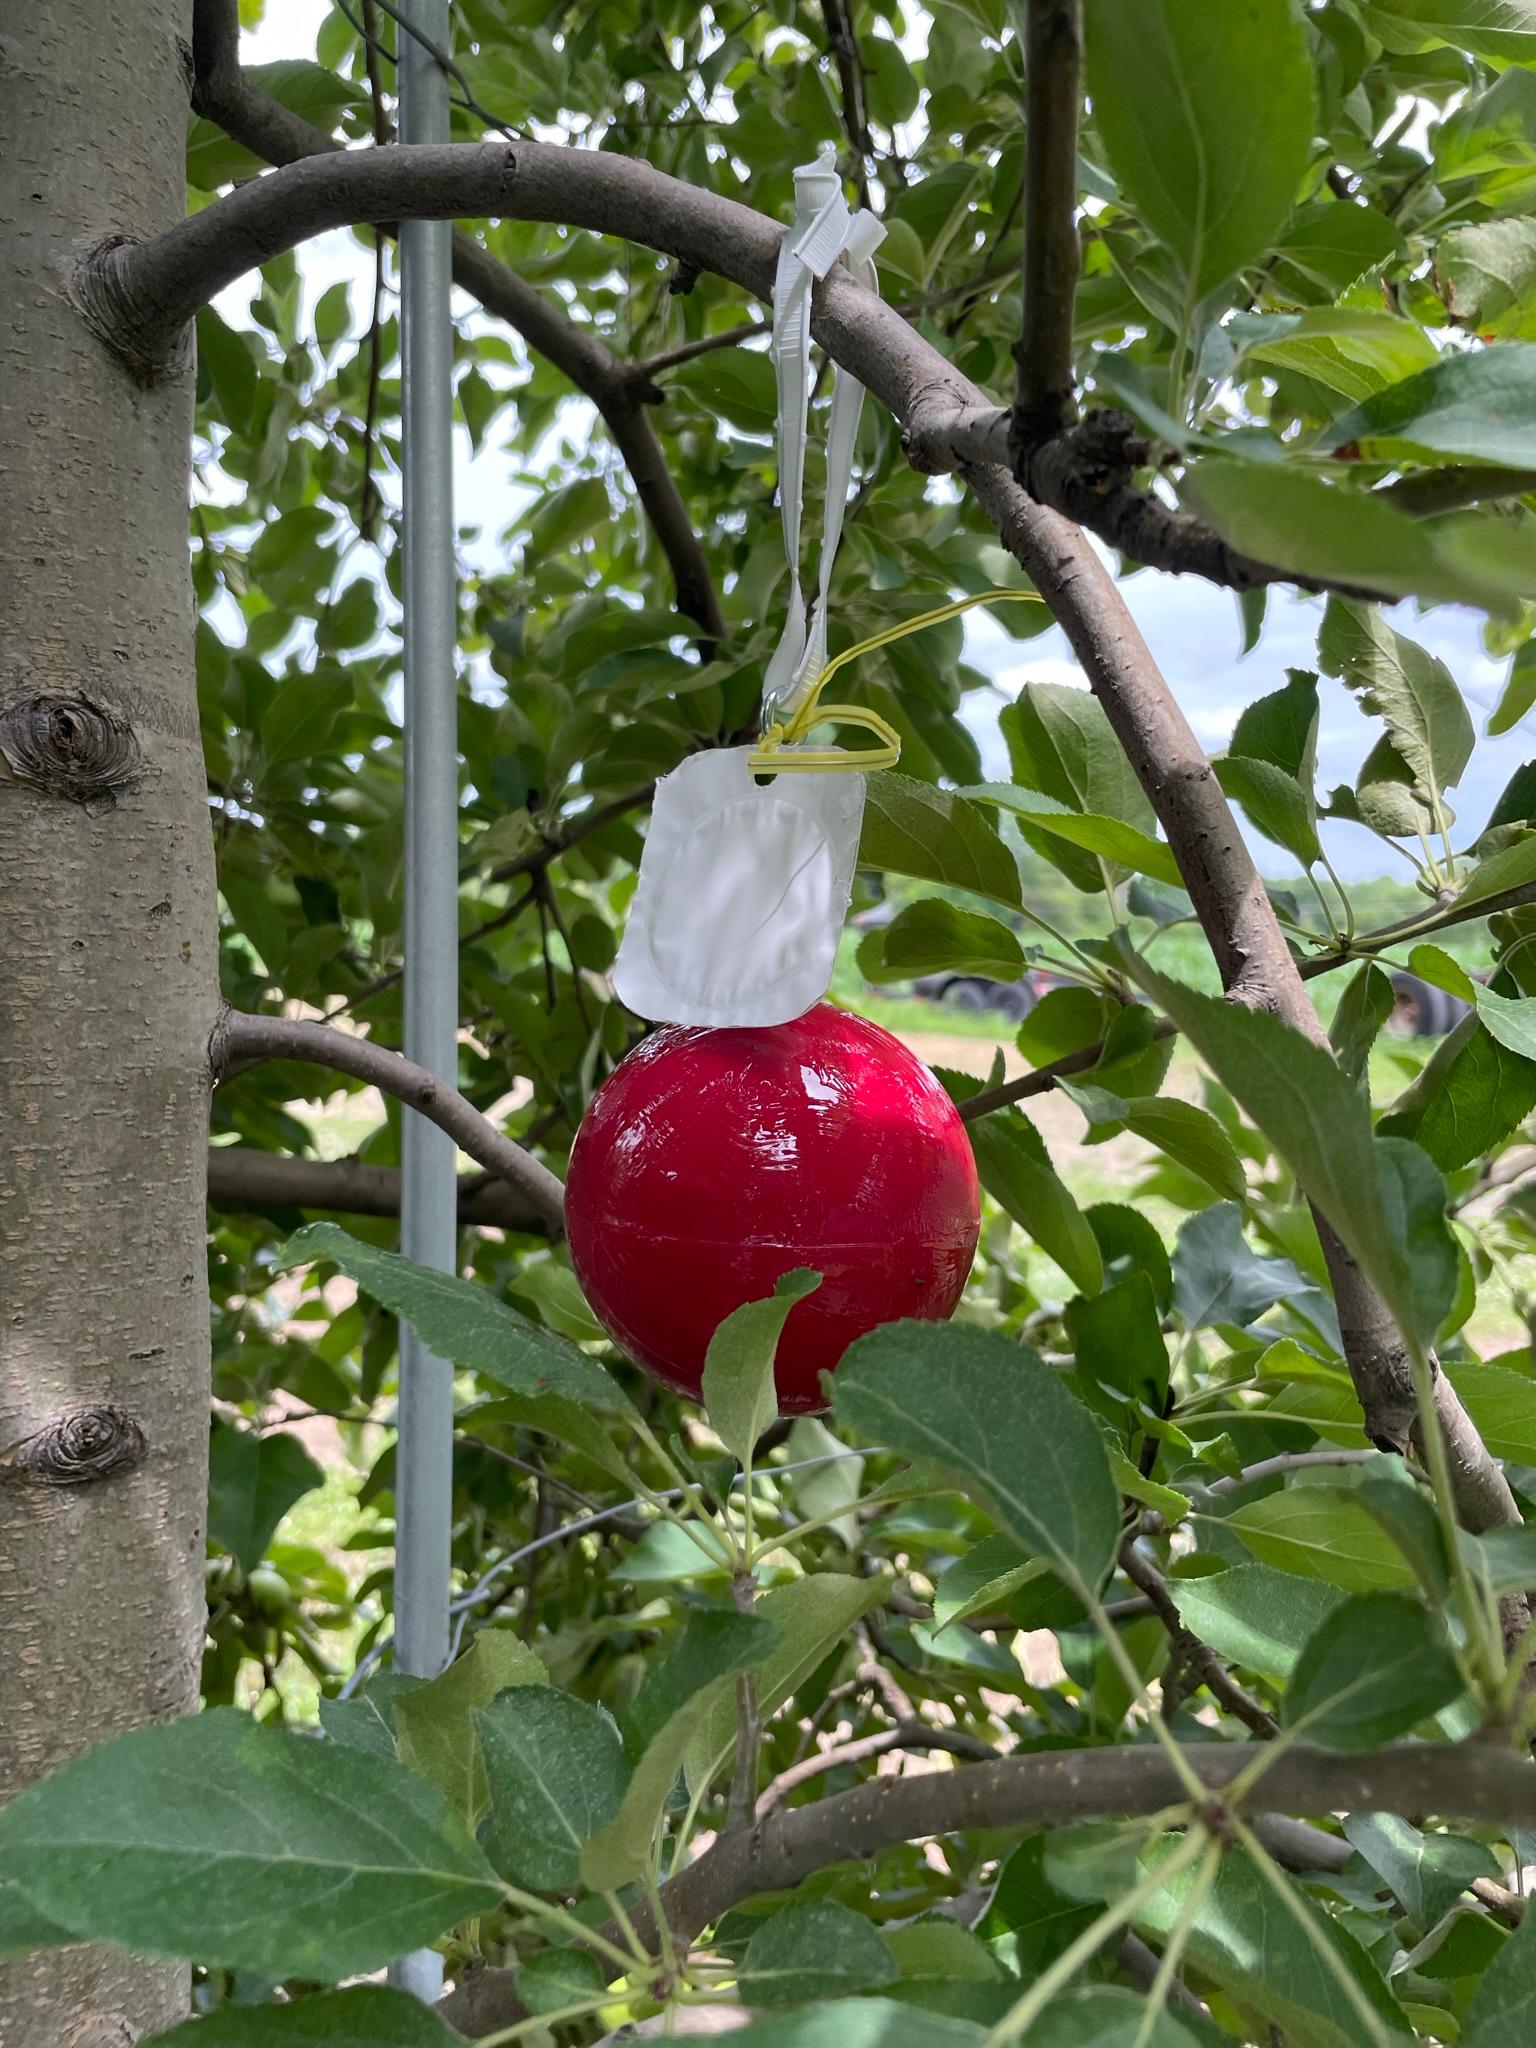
(713, 1162)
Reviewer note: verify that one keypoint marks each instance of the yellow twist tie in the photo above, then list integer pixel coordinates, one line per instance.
(781, 752)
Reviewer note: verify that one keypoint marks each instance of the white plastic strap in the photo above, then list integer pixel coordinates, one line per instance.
(824, 230)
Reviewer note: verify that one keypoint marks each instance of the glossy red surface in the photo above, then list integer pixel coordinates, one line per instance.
(713, 1162)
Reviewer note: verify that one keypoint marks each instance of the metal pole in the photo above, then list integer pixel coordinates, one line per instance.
(424, 1471)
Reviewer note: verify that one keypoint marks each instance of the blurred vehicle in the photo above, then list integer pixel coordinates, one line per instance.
(1422, 1010)
(975, 992)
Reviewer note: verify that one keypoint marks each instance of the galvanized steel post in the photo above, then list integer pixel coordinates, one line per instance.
(424, 1471)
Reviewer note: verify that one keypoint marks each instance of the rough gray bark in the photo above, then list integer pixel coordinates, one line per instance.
(108, 975)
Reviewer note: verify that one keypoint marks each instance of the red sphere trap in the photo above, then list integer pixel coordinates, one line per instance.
(712, 1162)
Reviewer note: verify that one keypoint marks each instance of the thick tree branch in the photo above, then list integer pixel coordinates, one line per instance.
(240, 1038)
(619, 391)
(1044, 392)
(240, 1177)
(1254, 961)
(1470, 1781)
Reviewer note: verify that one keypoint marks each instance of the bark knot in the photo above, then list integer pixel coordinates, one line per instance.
(71, 747)
(76, 1448)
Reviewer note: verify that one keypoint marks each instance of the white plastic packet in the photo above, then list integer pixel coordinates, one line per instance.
(742, 893)
(744, 887)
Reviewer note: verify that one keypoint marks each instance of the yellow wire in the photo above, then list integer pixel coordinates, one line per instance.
(774, 757)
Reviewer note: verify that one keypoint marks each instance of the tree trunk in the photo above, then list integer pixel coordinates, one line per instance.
(108, 968)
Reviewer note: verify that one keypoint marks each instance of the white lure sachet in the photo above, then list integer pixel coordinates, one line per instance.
(742, 893)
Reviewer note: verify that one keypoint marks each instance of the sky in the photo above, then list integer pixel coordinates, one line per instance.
(1191, 626)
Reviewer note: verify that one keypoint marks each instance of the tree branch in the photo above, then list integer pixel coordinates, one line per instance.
(618, 391)
(1470, 1780)
(1198, 1657)
(843, 44)
(1254, 961)
(240, 1038)
(1045, 393)
(241, 1177)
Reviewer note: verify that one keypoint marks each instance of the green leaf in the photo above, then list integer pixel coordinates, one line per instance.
(736, 384)
(1433, 964)
(1487, 277)
(932, 936)
(1467, 1100)
(252, 1483)
(246, 1848)
(1028, 1921)
(367, 1720)
(432, 1721)
(1193, 1137)
(298, 721)
(712, 1640)
(1494, 130)
(553, 1978)
(816, 1949)
(557, 1774)
(860, 2023)
(1511, 1020)
(1061, 743)
(1218, 1278)
(1374, 1668)
(935, 836)
(989, 1573)
(1207, 135)
(1117, 1339)
(1016, 1171)
(1367, 1002)
(459, 1320)
(1103, 2016)
(1519, 692)
(1296, 521)
(1387, 1207)
(739, 1395)
(808, 1616)
(1476, 405)
(1402, 683)
(365, 2016)
(987, 1410)
(1274, 803)
(1111, 838)
(1322, 1532)
(1274, 1962)
(1253, 1615)
(1130, 1244)
(1352, 351)
(226, 355)
(1503, 2009)
(23, 1929)
(1511, 869)
(1503, 1406)
(1426, 1873)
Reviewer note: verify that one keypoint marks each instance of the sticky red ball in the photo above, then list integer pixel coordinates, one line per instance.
(713, 1162)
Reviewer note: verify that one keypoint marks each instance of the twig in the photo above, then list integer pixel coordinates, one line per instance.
(912, 1735)
(1199, 1657)
(497, 923)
